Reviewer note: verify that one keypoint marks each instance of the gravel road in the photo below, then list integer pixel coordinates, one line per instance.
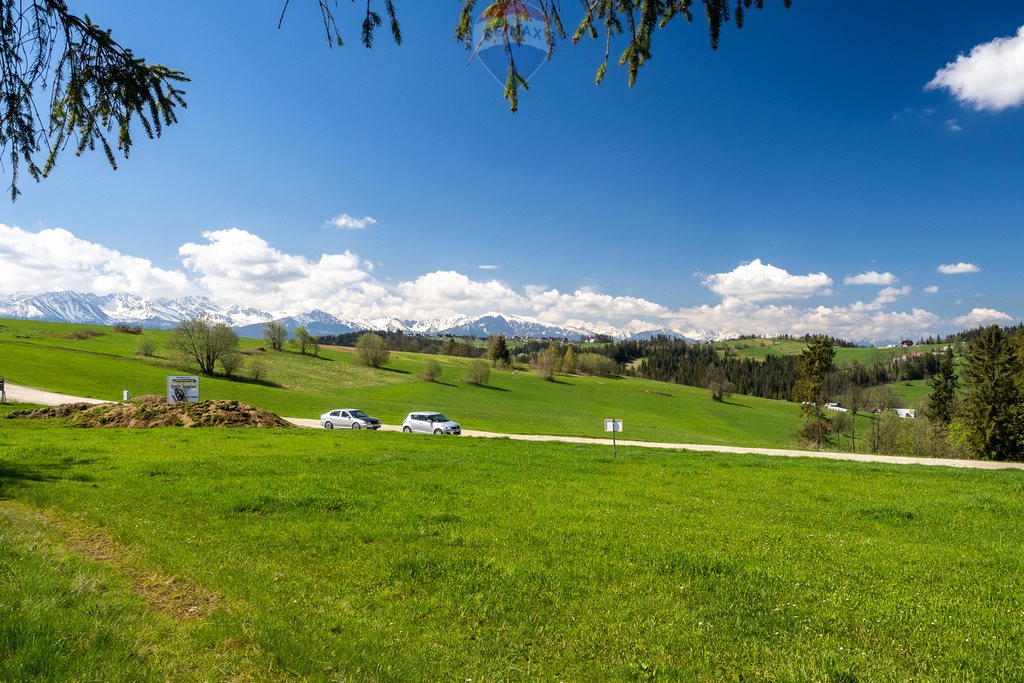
(20, 394)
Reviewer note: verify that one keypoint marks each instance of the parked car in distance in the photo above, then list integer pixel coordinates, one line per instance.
(348, 418)
(430, 423)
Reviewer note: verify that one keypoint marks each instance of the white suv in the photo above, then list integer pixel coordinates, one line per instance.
(430, 423)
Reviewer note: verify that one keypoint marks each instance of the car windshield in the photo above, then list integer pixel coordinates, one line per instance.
(437, 417)
(357, 413)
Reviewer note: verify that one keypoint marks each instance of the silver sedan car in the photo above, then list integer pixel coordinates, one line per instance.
(348, 418)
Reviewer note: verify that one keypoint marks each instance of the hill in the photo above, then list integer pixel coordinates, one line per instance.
(99, 362)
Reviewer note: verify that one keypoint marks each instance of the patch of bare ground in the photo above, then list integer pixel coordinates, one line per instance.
(171, 596)
(155, 411)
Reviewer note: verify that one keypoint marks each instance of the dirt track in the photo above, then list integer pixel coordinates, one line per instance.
(21, 394)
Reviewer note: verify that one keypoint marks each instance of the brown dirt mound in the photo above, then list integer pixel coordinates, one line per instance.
(155, 411)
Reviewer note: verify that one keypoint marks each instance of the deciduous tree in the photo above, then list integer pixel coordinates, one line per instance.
(275, 334)
(305, 341)
(203, 341)
(372, 350)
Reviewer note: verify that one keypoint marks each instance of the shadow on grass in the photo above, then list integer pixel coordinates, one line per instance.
(443, 384)
(16, 474)
(555, 380)
(395, 370)
(733, 403)
(488, 386)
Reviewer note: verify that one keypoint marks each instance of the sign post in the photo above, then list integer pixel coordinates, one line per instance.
(3, 392)
(614, 426)
(182, 388)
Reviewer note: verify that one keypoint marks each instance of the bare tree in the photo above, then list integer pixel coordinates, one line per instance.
(203, 341)
(275, 334)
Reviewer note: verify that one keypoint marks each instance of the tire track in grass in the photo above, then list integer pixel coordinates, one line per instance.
(179, 599)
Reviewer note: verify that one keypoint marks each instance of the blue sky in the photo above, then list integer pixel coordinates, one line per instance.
(800, 179)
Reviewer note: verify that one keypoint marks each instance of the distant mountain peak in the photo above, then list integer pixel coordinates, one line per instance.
(165, 313)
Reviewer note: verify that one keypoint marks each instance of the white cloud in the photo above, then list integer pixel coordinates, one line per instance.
(446, 292)
(553, 306)
(953, 126)
(236, 266)
(54, 259)
(488, 267)
(855, 322)
(990, 77)
(931, 289)
(871, 278)
(756, 281)
(351, 223)
(981, 316)
(889, 295)
(958, 268)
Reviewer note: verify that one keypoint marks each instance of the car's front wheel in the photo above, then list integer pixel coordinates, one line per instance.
(356, 425)
(407, 430)
(328, 425)
(437, 431)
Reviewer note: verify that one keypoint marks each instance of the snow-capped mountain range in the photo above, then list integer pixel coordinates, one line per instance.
(162, 313)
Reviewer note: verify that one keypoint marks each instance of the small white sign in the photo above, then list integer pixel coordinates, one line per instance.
(182, 388)
(613, 425)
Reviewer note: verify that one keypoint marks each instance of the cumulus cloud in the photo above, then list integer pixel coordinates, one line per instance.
(237, 266)
(871, 278)
(447, 292)
(552, 305)
(233, 266)
(351, 223)
(931, 289)
(958, 268)
(981, 316)
(55, 259)
(856, 322)
(889, 295)
(756, 281)
(990, 77)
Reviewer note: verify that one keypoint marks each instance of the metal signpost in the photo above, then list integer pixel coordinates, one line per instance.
(3, 392)
(182, 388)
(614, 426)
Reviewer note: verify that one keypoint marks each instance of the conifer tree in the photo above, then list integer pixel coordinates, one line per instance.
(498, 352)
(816, 362)
(943, 397)
(993, 403)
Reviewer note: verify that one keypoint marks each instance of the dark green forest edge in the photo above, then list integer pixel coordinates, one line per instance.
(974, 408)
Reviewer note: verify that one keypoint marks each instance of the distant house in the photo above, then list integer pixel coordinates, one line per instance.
(905, 413)
(836, 407)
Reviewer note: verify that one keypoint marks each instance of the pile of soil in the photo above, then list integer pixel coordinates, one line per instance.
(155, 411)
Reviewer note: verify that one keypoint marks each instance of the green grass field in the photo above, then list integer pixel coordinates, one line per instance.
(762, 348)
(206, 554)
(98, 362)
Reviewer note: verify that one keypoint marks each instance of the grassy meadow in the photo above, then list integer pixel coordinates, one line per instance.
(99, 362)
(208, 554)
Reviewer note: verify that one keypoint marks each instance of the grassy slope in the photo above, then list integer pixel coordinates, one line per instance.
(45, 355)
(389, 557)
